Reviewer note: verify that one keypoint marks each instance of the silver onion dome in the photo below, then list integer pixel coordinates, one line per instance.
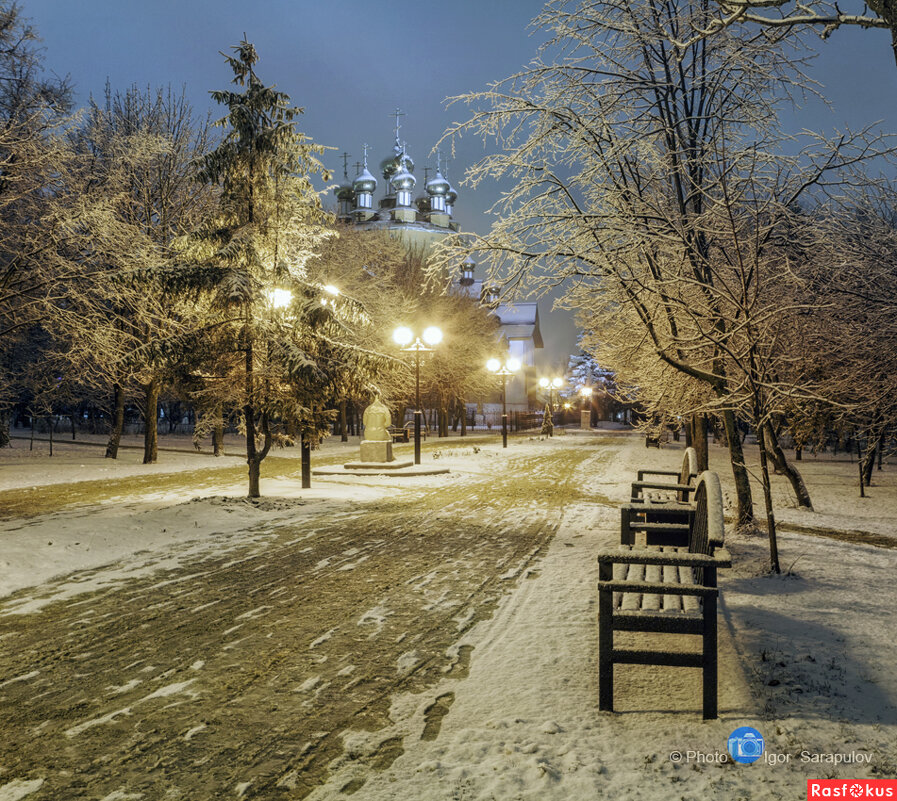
(438, 185)
(364, 182)
(403, 180)
(344, 192)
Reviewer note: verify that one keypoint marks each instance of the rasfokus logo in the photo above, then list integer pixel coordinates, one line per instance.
(851, 788)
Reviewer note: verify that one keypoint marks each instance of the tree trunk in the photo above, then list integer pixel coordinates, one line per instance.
(789, 471)
(118, 421)
(218, 435)
(151, 420)
(767, 497)
(699, 441)
(72, 420)
(252, 459)
(255, 471)
(52, 426)
(462, 408)
(739, 471)
(860, 466)
(869, 462)
(4, 430)
(798, 453)
(343, 422)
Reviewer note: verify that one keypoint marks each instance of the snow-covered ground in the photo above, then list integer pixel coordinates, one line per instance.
(807, 658)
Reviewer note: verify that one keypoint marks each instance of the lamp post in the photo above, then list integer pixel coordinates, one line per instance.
(510, 367)
(551, 385)
(403, 337)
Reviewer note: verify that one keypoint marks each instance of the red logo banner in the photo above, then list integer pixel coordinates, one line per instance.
(851, 788)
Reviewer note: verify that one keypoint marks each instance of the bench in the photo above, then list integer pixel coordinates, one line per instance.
(405, 433)
(661, 510)
(665, 590)
(677, 489)
(398, 434)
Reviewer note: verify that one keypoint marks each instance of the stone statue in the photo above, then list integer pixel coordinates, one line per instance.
(376, 419)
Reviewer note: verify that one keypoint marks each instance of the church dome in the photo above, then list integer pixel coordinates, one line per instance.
(394, 164)
(365, 182)
(344, 192)
(438, 185)
(403, 180)
(451, 195)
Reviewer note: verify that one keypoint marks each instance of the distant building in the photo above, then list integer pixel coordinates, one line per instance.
(420, 222)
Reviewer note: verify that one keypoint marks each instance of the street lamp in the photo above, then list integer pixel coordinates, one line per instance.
(403, 337)
(551, 385)
(510, 367)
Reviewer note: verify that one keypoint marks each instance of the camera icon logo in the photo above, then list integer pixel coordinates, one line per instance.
(745, 745)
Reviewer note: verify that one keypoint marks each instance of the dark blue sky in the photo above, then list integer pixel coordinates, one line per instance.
(349, 63)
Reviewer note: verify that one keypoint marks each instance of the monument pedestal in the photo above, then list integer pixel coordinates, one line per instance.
(373, 451)
(585, 419)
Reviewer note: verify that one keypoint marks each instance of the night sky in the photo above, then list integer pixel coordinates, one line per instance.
(349, 63)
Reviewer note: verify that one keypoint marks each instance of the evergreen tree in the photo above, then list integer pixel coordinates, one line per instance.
(273, 342)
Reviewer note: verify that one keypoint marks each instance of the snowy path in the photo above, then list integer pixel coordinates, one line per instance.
(239, 667)
(425, 641)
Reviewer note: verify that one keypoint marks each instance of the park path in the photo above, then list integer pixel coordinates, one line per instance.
(236, 674)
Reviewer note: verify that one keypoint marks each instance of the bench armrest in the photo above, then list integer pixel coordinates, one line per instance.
(661, 485)
(646, 472)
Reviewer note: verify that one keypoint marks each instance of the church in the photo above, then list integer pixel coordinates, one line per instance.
(420, 222)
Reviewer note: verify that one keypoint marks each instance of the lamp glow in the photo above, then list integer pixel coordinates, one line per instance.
(585, 391)
(513, 365)
(402, 335)
(330, 289)
(543, 382)
(279, 298)
(432, 335)
(493, 365)
(557, 383)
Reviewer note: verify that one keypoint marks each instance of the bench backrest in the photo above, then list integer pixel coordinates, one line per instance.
(689, 466)
(708, 530)
(687, 472)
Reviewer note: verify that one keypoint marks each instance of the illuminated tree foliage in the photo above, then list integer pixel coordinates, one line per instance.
(271, 345)
(648, 178)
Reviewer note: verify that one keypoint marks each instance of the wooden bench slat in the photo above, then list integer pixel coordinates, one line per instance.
(666, 658)
(645, 557)
(653, 575)
(661, 622)
(658, 588)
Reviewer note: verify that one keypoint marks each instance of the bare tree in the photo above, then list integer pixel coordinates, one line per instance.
(648, 177)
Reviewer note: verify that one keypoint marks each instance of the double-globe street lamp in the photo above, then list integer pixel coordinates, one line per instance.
(411, 343)
(278, 299)
(510, 367)
(551, 385)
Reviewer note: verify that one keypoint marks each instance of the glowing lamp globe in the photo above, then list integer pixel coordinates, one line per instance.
(513, 365)
(493, 365)
(402, 335)
(432, 335)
